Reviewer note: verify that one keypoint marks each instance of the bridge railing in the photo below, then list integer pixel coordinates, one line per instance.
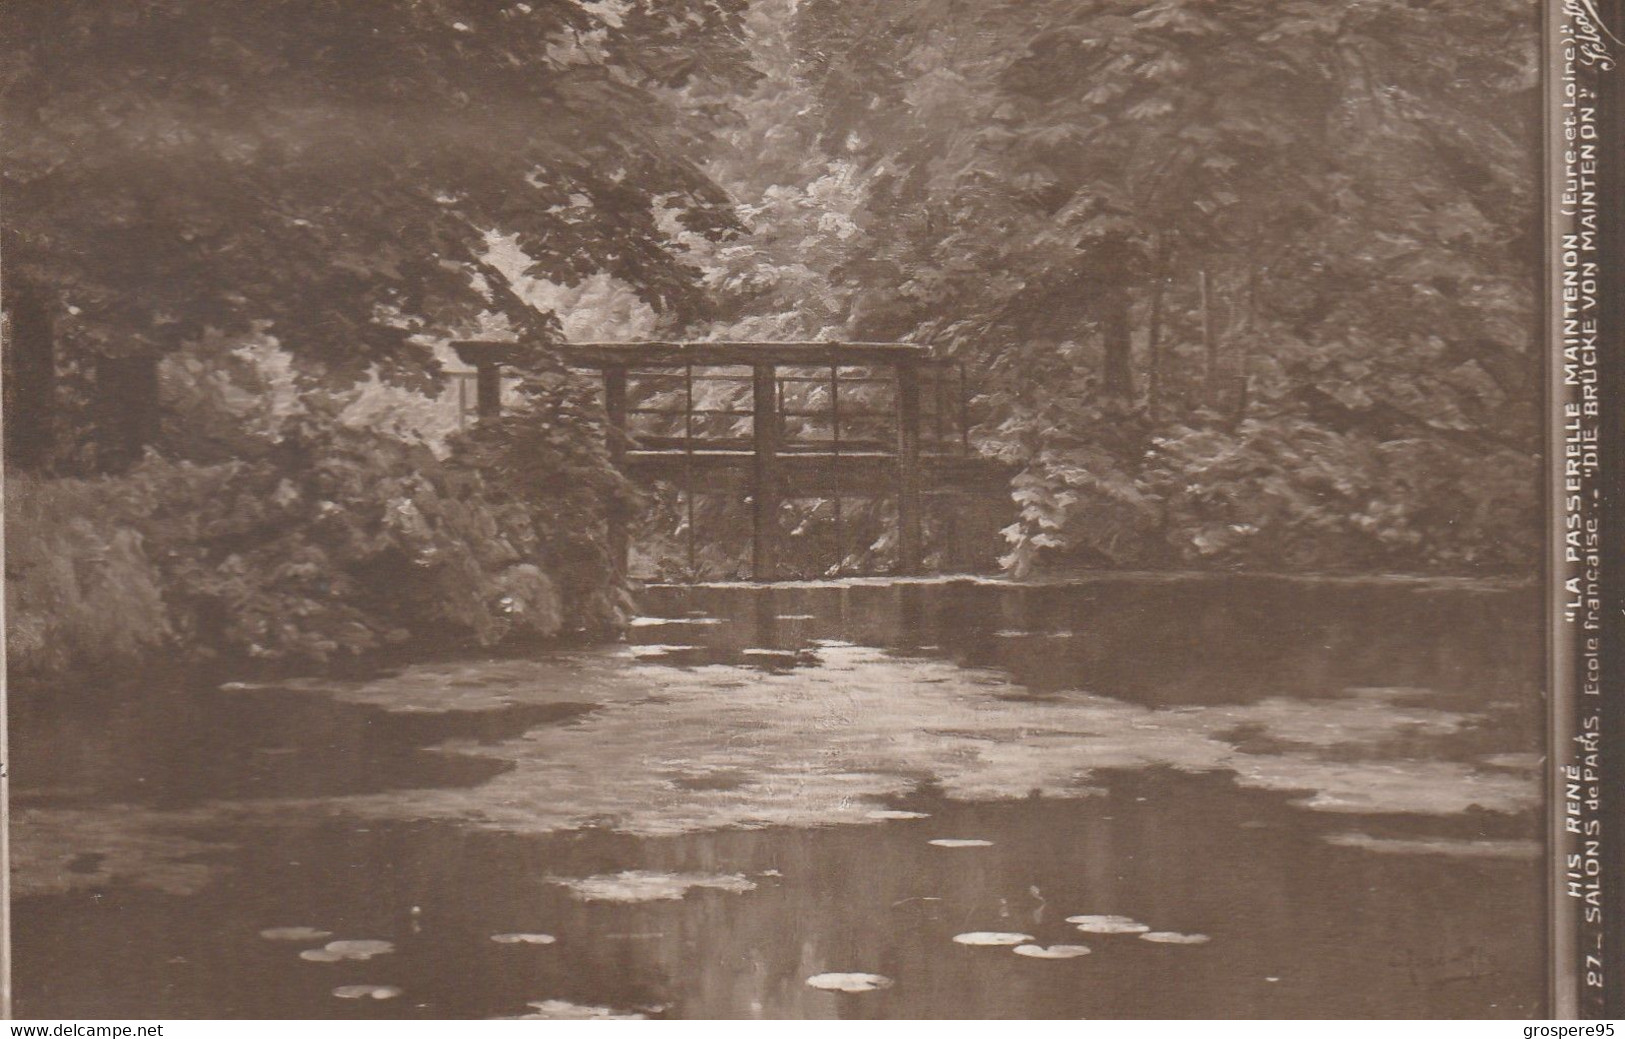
(860, 419)
(832, 412)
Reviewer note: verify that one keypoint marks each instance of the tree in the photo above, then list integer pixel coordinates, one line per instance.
(1323, 212)
(331, 174)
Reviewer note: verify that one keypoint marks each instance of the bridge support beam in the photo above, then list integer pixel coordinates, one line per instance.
(765, 484)
(615, 415)
(910, 557)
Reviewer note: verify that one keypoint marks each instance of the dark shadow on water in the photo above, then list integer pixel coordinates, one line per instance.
(1207, 640)
(1309, 914)
(180, 746)
(1298, 927)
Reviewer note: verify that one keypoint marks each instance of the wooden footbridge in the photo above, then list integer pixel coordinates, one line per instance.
(818, 420)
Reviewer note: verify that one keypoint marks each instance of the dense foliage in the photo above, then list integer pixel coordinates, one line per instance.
(1238, 284)
(307, 539)
(329, 173)
(339, 187)
(1241, 284)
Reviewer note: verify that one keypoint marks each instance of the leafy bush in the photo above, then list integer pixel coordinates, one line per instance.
(80, 588)
(343, 542)
(1275, 492)
(327, 542)
(547, 458)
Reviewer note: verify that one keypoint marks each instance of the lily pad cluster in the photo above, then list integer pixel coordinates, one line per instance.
(1110, 924)
(992, 938)
(366, 948)
(849, 982)
(563, 1010)
(1028, 946)
(348, 949)
(641, 885)
(1022, 945)
(294, 934)
(337, 952)
(523, 938)
(1052, 952)
(366, 992)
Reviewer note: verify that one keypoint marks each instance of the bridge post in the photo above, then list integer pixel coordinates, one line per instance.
(909, 554)
(487, 360)
(765, 473)
(615, 414)
(488, 389)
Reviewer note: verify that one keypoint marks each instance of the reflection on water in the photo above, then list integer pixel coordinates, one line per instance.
(1333, 782)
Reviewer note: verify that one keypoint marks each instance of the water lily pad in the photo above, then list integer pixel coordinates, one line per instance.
(658, 650)
(957, 842)
(1174, 938)
(523, 938)
(1108, 924)
(992, 938)
(855, 982)
(642, 885)
(1053, 952)
(366, 992)
(563, 1010)
(349, 949)
(896, 813)
(294, 934)
(652, 622)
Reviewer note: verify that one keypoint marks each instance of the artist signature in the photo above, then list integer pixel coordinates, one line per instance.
(1591, 36)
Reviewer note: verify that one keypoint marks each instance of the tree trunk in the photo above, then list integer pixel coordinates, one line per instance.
(1244, 360)
(30, 378)
(1118, 343)
(1153, 366)
(1210, 340)
(127, 415)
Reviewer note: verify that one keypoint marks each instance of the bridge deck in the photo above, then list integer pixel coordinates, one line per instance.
(822, 474)
(680, 354)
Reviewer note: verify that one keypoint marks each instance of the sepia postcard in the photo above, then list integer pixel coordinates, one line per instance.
(783, 509)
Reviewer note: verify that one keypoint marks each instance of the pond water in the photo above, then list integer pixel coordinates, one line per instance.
(1302, 798)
